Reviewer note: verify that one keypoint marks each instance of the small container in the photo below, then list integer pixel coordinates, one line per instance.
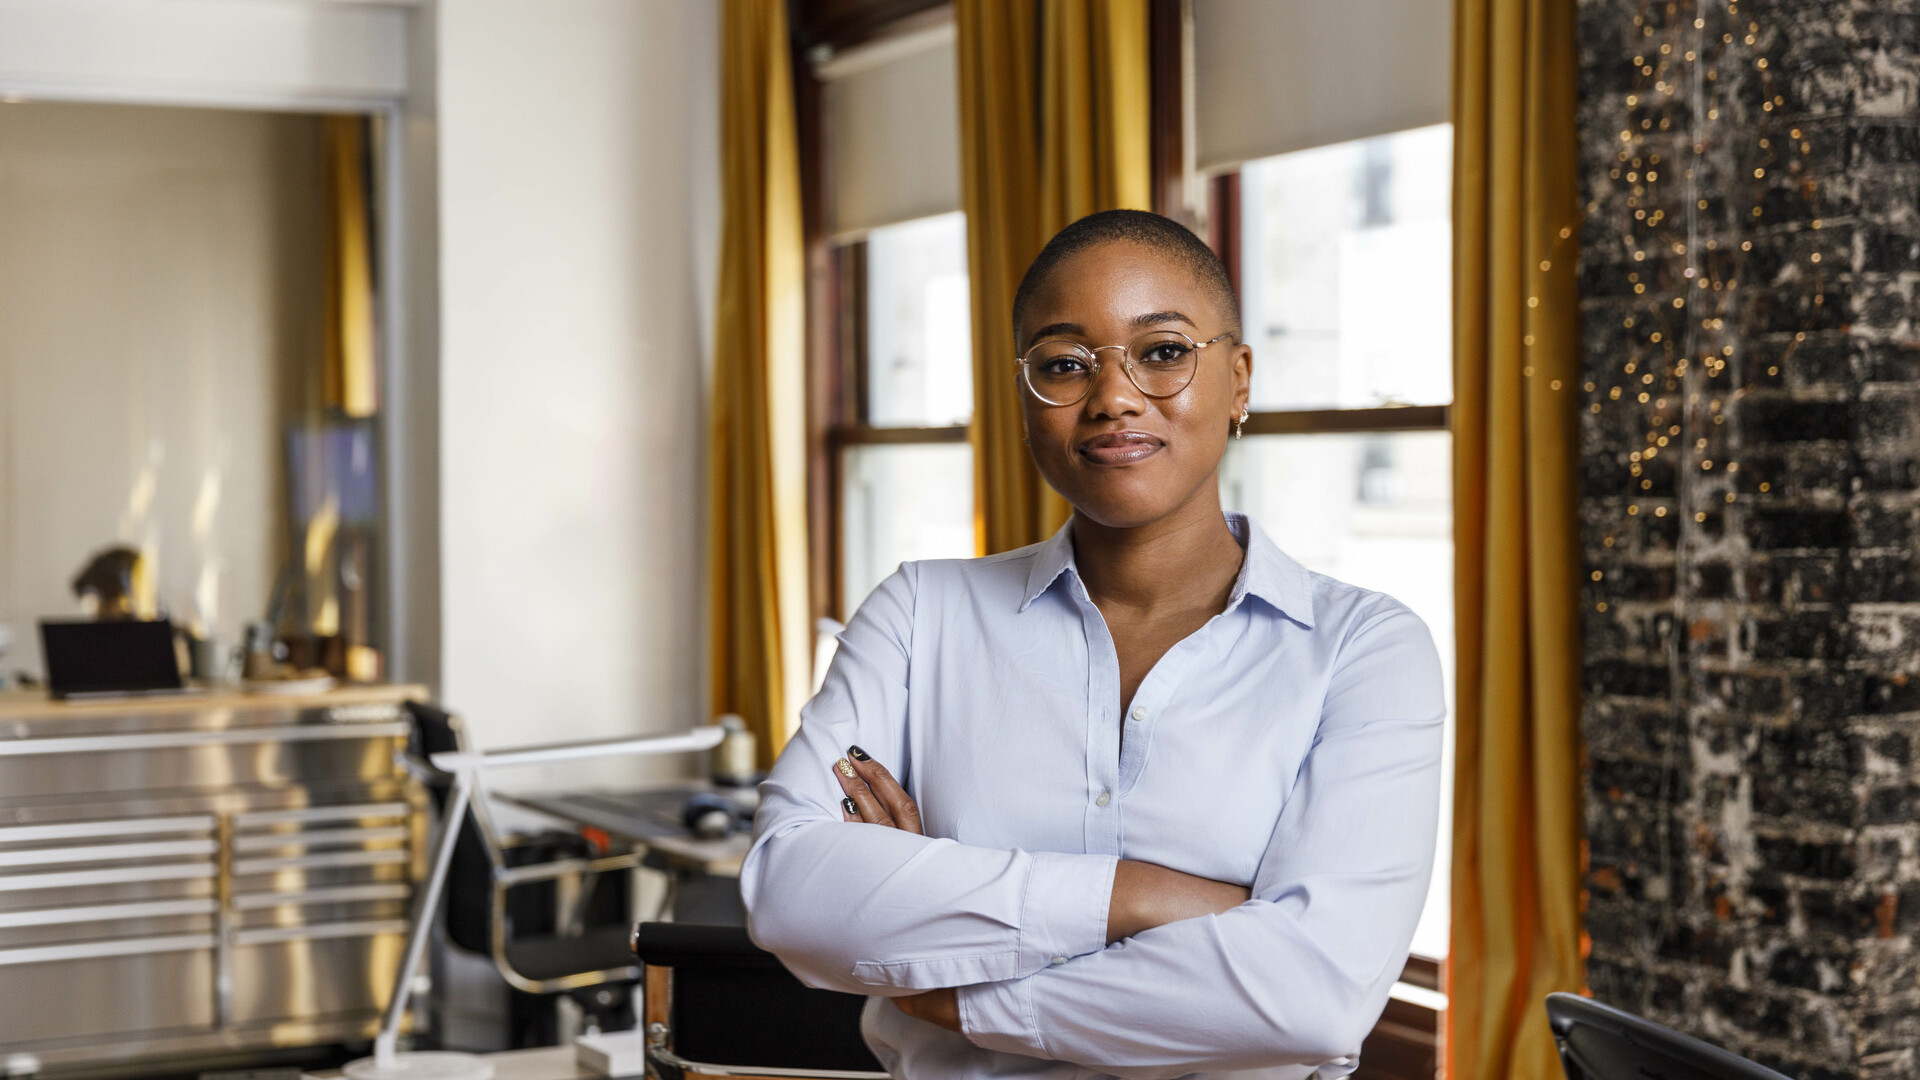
(735, 760)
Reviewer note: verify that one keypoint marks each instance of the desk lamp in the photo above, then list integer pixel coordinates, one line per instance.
(465, 766)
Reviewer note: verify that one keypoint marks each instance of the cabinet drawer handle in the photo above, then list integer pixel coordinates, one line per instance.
(175, 740)
(93, 950)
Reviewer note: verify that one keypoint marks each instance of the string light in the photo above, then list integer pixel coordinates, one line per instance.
(1686, 231)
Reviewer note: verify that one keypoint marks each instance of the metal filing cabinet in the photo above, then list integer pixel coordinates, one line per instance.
(201, 874)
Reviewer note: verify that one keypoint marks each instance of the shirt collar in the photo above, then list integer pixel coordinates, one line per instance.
(1267, 573)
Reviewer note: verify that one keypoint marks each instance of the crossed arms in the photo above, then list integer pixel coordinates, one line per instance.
(1129, 969)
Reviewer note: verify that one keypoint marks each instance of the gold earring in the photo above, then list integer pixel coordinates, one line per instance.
(1237, 421)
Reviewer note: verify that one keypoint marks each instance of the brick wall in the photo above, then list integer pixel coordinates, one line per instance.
(1750, 493)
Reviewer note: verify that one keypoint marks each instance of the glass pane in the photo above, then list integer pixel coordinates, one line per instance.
(1346, 280)
(1374, 511)
(899, 503)
(919, 324)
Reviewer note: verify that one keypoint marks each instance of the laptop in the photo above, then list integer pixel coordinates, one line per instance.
(98, 659)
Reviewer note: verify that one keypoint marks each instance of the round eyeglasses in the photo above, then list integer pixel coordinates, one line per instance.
(1160, 362)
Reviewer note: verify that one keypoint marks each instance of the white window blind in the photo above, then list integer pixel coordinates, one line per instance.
(1275, 76)
(892, 131)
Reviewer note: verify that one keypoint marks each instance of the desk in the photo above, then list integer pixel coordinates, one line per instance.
(540, 1063)
(650, 818)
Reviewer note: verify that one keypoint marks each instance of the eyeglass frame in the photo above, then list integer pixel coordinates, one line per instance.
(1126, 365)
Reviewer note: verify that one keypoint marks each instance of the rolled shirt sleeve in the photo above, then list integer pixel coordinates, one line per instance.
(1299, 973)
(873, 910)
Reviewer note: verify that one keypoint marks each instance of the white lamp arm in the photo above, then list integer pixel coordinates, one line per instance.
(705, 737)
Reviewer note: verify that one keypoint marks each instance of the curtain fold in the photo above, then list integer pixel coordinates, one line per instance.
(350, 379)
(1517, 828)
(757, 454)
(1055, 124)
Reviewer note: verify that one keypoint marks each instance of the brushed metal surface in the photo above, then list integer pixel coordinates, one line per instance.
(208, 768)
(127, 892)
(24, 834)
(114, 948)
(335, 894)
(134, 1055)
(349, 812)
(185, 878)
(105, 998)
(120, 914)
(303, 879)
(311, 839)
(312, 913)
(115, 875)
(88, 930)
(175, 740)
(315, 978)
(357, 857)
(98, 853)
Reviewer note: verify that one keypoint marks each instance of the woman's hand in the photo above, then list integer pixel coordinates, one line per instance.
(873, 795)
(941, 1007)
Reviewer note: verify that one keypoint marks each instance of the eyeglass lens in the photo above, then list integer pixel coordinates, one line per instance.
(1160, 363)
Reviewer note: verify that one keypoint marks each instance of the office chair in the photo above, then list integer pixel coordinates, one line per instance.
(717, 1005)
(1599, 1042)
(495, 896)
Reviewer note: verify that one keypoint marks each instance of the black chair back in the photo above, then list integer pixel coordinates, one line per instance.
(530, 911)
(734, 1004)
(1599, 1042)
(470, 873)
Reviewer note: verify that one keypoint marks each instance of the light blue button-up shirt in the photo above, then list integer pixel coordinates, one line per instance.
(1291, 745)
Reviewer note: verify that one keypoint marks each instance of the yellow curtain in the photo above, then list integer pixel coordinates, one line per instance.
(350, 380)
(1517, 830)
(757, 467)
(1055, 124)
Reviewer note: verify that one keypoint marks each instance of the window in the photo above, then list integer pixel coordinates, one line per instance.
(1345, 272)
(902, 469)
(1344, 264)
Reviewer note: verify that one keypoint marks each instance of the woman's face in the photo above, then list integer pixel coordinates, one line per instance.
(1120, 457)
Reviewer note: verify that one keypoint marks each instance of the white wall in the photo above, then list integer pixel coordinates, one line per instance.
(160, 303)
(301, 56)
(578, 177)
(276, 54)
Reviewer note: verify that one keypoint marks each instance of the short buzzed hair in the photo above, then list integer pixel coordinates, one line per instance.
(1164, 235)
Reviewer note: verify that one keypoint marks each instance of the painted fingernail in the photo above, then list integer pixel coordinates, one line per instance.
(847, 805)
(846, 770)
(857, 754)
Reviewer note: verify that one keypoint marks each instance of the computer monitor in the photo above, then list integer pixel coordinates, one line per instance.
(114, 657)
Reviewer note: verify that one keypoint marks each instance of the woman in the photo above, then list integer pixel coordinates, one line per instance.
(1165, 800)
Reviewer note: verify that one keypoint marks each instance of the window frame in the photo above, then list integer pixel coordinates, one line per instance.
(843, 422)
(836, 287)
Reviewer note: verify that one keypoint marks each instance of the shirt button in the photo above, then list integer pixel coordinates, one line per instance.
(1059, 960)
(1139, 712)
(1103, 799)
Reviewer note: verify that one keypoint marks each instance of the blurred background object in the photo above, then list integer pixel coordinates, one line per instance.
(187, 294)
(107, 586)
